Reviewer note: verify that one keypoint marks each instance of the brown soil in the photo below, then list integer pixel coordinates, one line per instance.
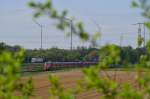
(69, 79)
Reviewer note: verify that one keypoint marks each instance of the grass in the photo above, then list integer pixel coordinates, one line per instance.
(52, 71)
(37, 68)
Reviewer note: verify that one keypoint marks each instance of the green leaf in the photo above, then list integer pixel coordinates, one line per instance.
(84, 36)
(31, 4)
(148, 25)
(48, 4)
(135, 4)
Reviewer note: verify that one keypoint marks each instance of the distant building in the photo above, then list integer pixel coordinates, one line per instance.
(37, 60)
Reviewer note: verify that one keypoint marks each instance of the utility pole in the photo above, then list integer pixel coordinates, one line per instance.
(71, 30)
(140, 31)
(71, 27)
(41, 27)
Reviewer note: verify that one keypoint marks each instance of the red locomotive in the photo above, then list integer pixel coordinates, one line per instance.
(60, 65)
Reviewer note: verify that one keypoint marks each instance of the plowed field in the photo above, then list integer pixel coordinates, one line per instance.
(69, 79)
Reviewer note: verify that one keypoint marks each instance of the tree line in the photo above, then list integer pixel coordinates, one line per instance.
(128, 55)
(64, 55)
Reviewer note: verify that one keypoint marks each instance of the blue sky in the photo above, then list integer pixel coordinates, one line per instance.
(114, 16)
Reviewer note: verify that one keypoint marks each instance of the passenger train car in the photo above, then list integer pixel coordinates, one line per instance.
(60, 65)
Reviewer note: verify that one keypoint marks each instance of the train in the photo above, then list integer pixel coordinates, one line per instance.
(60, 65)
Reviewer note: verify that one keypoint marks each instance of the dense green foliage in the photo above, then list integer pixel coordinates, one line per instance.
(56, 54)
(10, 79)
(5, 47)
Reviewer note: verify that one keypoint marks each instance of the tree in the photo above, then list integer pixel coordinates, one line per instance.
(10, 78)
